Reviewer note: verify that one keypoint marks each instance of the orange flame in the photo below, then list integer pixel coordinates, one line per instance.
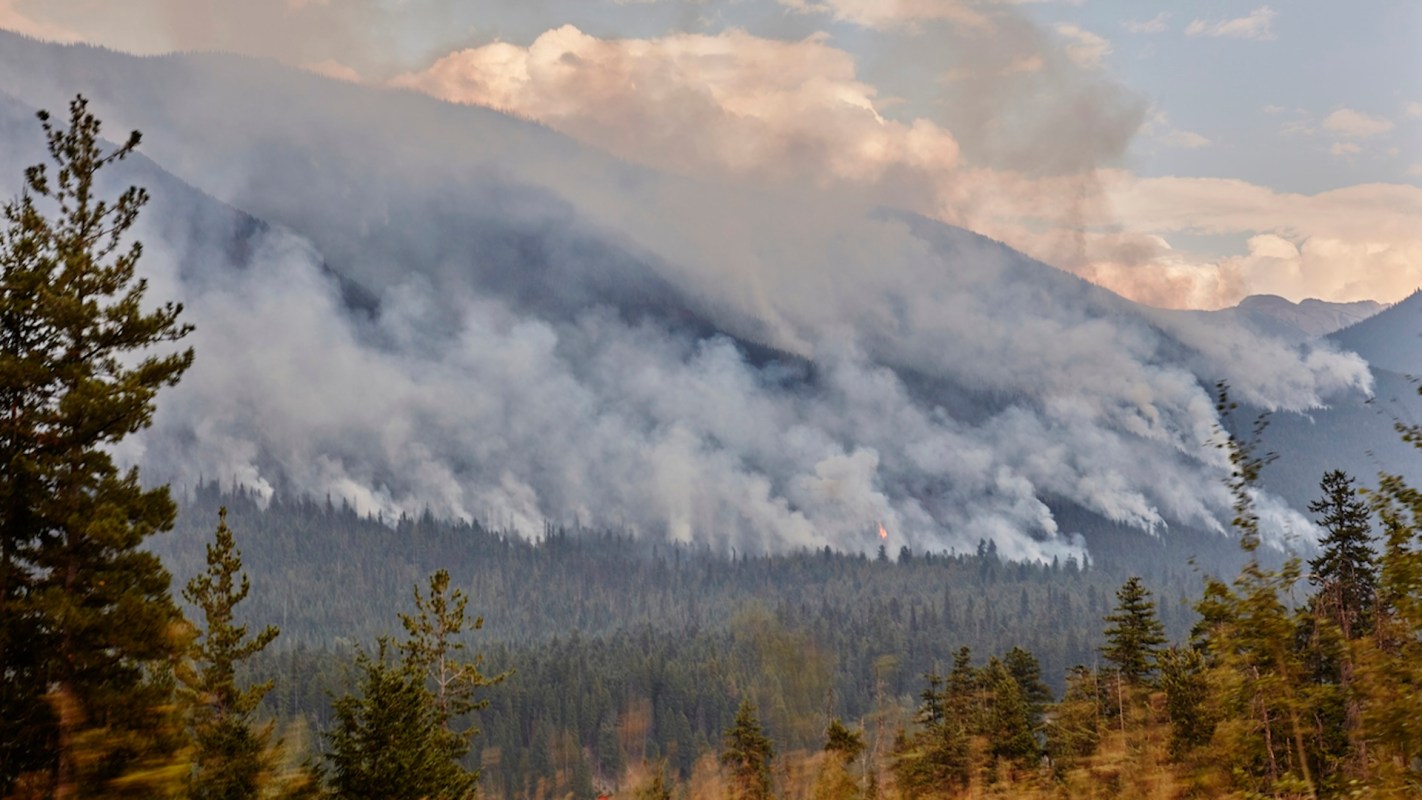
(883, 534)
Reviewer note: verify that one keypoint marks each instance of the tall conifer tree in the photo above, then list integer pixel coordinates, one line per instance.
(1345, 572)
(89, 625)
(1135, 635)
(747, 753)
(234, 755)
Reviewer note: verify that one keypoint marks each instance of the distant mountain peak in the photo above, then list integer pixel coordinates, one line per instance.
(1311, 317)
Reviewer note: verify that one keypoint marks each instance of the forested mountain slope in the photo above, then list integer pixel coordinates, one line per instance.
(444, 307)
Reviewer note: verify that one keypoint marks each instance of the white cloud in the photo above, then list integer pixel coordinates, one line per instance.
(894, 13)
(1356, 243)
(1085, 48)
(1156, 24)
(1355, 124)
(1414, 171)
(707, 105)
(739, 107)
(1412, 109)
(1186, 140)
(332, 68)
(1257, 24)
(1159, 128)
(1345, 149)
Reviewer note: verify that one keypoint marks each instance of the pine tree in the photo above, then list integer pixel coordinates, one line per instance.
(388, 742)
(747, 752)
(1183, 678)
(1075, 729)
(842, 747)
(402, 727)
(658, 788)
(1027, 671)
(90, 630)
(1135, 635)
(935, 757)
(434, 647)
(1389, 664)
(1011, 734)
(234, 757)
(1345, 572)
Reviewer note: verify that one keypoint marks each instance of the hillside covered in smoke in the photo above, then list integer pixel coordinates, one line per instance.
(414, 306)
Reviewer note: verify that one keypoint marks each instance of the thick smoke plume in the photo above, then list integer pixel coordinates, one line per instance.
(442, 308)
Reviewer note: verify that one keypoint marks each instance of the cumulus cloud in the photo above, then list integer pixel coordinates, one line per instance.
(1087, 49)
(1355, 243)
(1356, 124)
(1001, 161)
(1257, 24)
(332, 68)
(896, 13)
(1186, 140)
(1159, 128)
(1156, 24)
(737, 102)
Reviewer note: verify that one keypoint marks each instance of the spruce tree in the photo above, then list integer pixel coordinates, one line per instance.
(388, 743)
(90, 629)
(434, 647)
(1075, 729)
(1027, 671)
(1009, 728)
(747, 753)
(400, 730)
(842, 747)
(658, 788)
(1135, 635)
(1345, 572)
(233, 754)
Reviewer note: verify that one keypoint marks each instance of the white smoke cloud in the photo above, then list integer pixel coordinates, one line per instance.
(541, 346)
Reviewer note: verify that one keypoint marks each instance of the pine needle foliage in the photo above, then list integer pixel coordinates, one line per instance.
(747, 752)
(88, 631)
(234, 756)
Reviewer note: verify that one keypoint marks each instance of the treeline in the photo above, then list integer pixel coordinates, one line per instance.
(330, 573)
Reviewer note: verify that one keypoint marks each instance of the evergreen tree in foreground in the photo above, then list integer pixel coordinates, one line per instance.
(748, 752)
(88, 630)
(388, 742)
(1346, 571)
(233, 759)
(397, 739)
(1135, 635)
(842, 747)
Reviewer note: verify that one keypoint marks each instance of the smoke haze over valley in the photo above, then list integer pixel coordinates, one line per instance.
(415, 305)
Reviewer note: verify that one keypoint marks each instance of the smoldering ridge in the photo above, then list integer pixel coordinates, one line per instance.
(551, 334)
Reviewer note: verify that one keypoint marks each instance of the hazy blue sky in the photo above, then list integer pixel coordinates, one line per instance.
(1184, 154)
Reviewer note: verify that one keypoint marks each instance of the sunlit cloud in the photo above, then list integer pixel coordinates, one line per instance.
(894, 13)
(1355, 124)
(1258, 24)
(1156, 24)
(699, 104)
(1085, 48)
